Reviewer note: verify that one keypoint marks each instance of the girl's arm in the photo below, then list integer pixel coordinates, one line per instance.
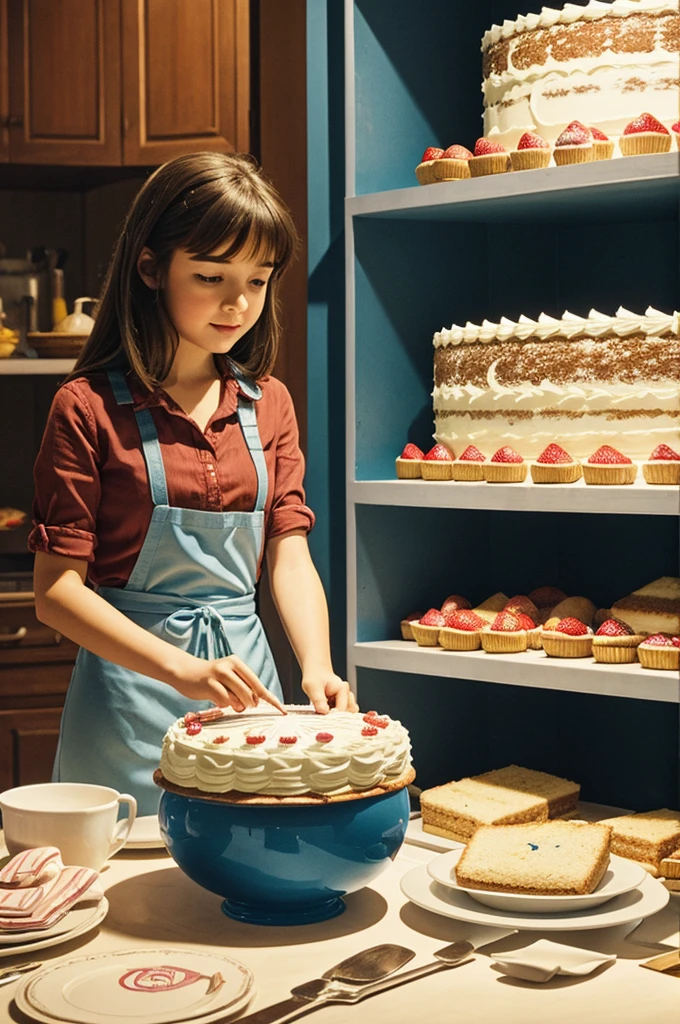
(301, 603)
(63, 602)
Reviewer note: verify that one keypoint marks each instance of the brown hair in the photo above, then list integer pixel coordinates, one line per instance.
(199, 203)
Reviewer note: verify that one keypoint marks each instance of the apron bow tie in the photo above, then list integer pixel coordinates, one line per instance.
(204, 627)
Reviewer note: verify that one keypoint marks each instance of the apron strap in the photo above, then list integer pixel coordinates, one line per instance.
(150, 444)
(251, 392)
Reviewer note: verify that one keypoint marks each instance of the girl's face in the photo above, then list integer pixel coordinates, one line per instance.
(213, 303)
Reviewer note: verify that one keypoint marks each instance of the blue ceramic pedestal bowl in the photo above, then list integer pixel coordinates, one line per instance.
(283, 865)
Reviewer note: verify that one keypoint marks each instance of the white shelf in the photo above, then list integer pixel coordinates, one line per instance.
(639, 498)
(35, 367)
(531, 668)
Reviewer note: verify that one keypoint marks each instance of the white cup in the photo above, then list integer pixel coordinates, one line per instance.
(78, 818)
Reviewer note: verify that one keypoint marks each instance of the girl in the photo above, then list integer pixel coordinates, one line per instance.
(169, 466)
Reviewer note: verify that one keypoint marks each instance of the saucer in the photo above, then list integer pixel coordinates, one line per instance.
(145, 834)
(78, 921)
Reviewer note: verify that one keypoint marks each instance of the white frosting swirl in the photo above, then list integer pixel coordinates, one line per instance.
(592, 11)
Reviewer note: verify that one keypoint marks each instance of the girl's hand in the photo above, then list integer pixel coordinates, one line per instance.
(227, 682)
(326, 691)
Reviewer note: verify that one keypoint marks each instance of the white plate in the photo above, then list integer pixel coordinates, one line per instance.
(417, 836)
(145, 834)
(146, 986)
(620, 877)
(648, 899)
(74, 919)
(82, 919)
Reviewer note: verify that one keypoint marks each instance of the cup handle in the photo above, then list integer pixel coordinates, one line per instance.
(124, 826)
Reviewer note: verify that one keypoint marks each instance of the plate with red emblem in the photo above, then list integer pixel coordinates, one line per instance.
(143, 986)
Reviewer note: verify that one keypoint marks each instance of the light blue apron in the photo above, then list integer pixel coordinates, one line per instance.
(193, 584)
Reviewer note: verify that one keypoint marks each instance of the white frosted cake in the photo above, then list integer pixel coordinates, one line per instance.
(262, 754)
(579, 382)
(598, 63)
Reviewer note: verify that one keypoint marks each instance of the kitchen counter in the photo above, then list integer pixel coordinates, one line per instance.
(153, 903)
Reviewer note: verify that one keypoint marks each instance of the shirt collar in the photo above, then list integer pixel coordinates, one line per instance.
(235, 383)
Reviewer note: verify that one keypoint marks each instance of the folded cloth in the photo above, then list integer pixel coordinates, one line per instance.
(31, 867)
(542, 960)
(72, 885)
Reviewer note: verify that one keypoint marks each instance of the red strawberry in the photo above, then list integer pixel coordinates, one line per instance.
(676, 127)
(614, 627)
(288, 741)
(608, 456)
(371, 714)
(457, 153)
(483, 147)
(472, 454)
(221, 739)
(522, 604)
(431, 153)
(254, 740)
(662, 451)
(506, 622)
(433, 617)
(525, 621)
(193, 728)
(411, 451)
(575, 134)
(659, 640)
(464, 619)
(599, 135)
(439, 454)
(547, 597)
(554, 455)
(453, 603)
(530, 140)
(324, 737)
(506, 454)
(675, 640)
(645, 123)
(369, 730)
(413, 617)
(571, 626)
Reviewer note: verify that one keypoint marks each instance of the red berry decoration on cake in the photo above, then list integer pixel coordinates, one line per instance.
(255, 739)
(426, 631)
(469, 464)
(659, 651)
(615, 643)
(609, 466)
(466, 620)
(453, 603)
(489, 158)
(555, 466)
(505, 635)
(614, 627)
(287, 741)
(461, 631)
(324, 737)
(408, 463)
(663, 466)
(568, 638)
(437, 463)
(369, 730)
(506, 467)
(532, 152)
(574, 145)
(405, 625)
(193, 728)
(457, 153)
(431, 153)
(645, 134)
(221, 739)
(603, 147)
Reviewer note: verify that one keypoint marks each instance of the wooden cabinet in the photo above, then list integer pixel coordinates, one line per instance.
(108, 82)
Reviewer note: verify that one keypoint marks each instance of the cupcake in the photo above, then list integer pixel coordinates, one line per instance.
(489, 609)
(581, 608)
(603, 147)
(663, 466)
(408, 463)
(469, 465)
(534, 632)
(506, 467)
(574, 145)
(608, 466)
(426, 169)
(555, 466)
(568, 638)
(521, 603)
(676, 132)
(461, 631)
(436, 465)
(489, 158)
(426, 630)
(405, 625)
(615, 643)
(455, 603)
(527, 613)
(645, 135)
(660, 651)
(505, 635)
(532, 152)
(453, 164)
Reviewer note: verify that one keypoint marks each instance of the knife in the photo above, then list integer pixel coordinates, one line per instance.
(10, 974)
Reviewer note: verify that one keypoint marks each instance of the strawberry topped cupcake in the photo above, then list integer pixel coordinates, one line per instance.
(603, 147)
(569, 638)
(663, 466)
(532, 152)
(461, 631)
(615, 643)
(489, 158)
(426, 630)
(436, 465)
(426, 171)
(645, 134)
(555, 466)
(609, 466)
(660, 651)
(574, 145)
(468, 466)
(505, 635)
(506, 467)
(453, 164)
(405, 625)
(676, 132)
(408, 463)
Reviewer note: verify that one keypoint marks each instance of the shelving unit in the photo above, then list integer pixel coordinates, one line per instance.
(418, 258)
(35, 367)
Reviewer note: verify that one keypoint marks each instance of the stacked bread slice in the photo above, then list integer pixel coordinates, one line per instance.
(654, 608)
(649, 838)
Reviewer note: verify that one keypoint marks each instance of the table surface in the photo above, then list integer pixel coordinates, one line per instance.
(153, 903)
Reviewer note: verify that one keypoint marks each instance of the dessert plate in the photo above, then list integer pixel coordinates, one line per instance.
(142, 986)
(620, 877)
(421, 889)
(78, 921)
(145, 834)
(417, 836)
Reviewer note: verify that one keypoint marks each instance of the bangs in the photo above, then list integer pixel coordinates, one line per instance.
(252, 229)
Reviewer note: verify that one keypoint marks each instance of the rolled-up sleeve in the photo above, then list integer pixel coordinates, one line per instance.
(66, 477)
(289, 510)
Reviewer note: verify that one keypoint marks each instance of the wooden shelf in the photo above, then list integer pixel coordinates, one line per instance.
(531, 668)
(33, 367)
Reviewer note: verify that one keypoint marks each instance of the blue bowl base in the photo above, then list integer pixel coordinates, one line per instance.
(307, 914)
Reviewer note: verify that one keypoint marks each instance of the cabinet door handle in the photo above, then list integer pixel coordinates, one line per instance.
(8, 638)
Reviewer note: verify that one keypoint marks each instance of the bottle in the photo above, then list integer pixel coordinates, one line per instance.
(59, 309)
(78, 322)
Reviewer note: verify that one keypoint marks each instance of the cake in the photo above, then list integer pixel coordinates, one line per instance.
(600, 63)
(648, 837)
(552, 858)
(574, 381)
(653, 608)
(261, 756)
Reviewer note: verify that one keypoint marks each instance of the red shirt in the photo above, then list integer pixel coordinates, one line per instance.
(92, 498)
